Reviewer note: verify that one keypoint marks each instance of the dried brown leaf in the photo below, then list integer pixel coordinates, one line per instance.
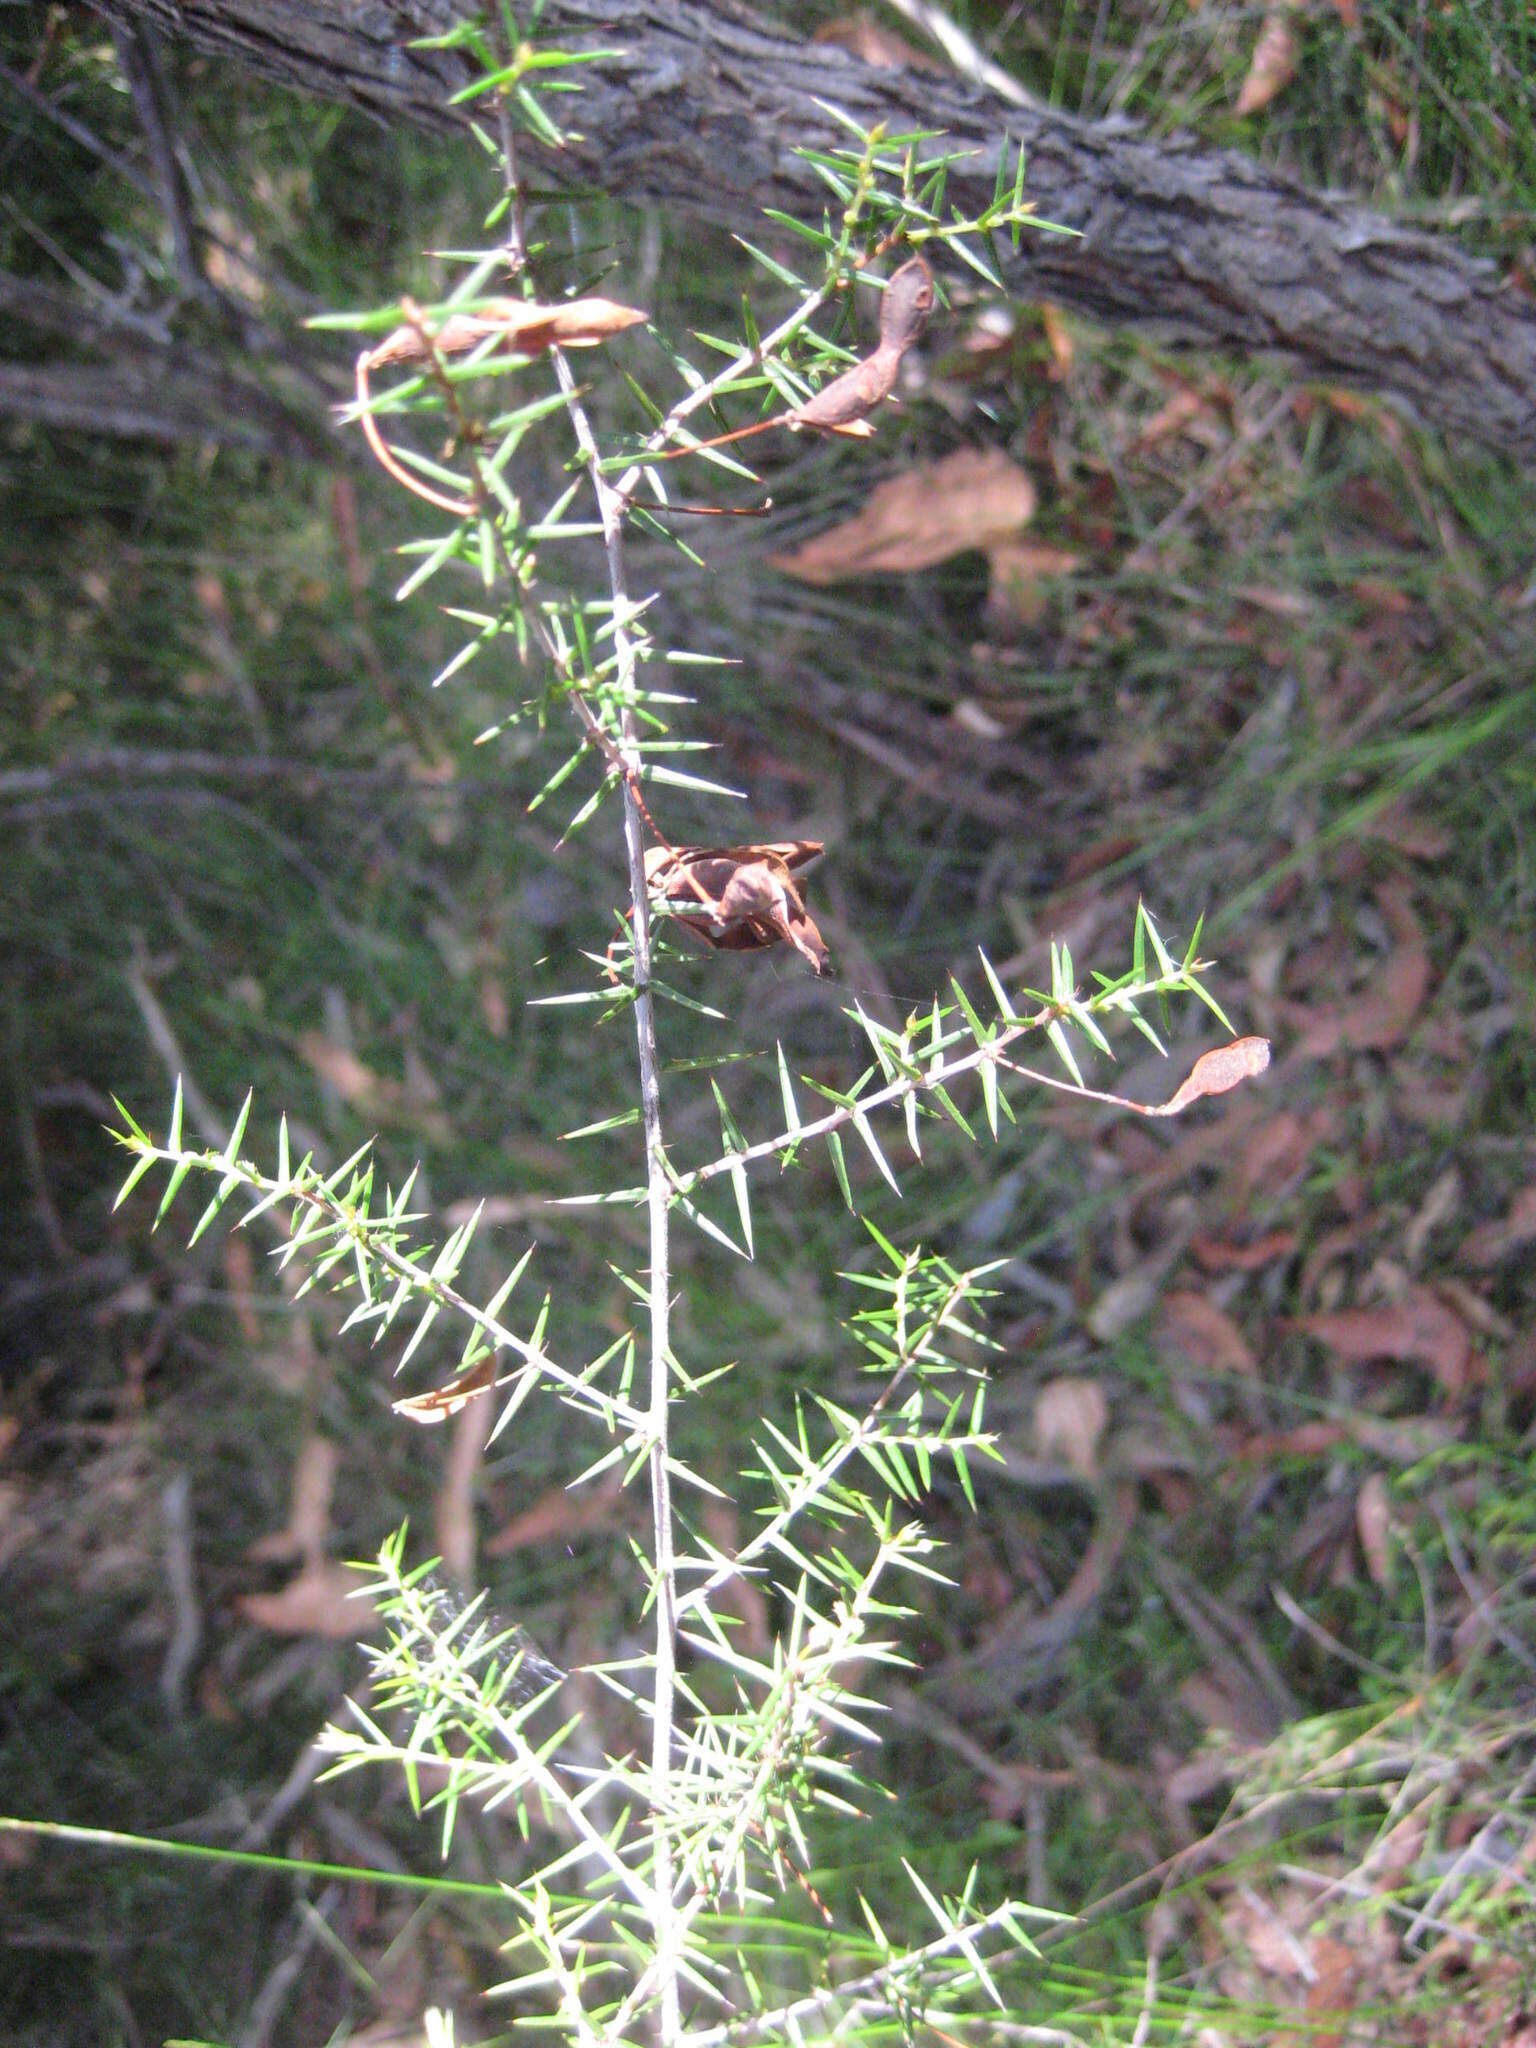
(1015, 570)
(1270, 1944)
(1373, 1525)
(1212, 1074)
(1125, 1301)
(1171, 417)
(342, 1070)
(1217, 1255)
(1278, 1150)
(1058, 339)
(1070, 1415)
(1418, 1330)
(1334, 1988)
(521, 324)
(309, 1509)
(438, 1403)
(1224, 1067)
(240, 1279)
(1273, 66)
(321, 1601)
(739, 898)
(372, 1094)
(1205, 1334)
(741, 1595)
(873, 43)
(973, 499)
(558, 1515)
(453, 1511)
(1401, 829)
(1493, 1241)
(1384, 1015)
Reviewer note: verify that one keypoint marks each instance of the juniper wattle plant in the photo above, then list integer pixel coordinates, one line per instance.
(680, 1894)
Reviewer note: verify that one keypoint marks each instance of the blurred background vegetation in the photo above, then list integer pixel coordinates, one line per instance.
(1255, 1573)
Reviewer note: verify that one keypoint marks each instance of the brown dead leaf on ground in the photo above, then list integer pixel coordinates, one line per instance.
(370, 1094)
(1224, 1700)
(1070, 1415)
(1406, 833)
(309, 1508)
(1373, 1525)
(1290, 605)
(1172, 416)
(1418, 1330)
(973, 499)
(521, 323)
(1099, 853)
(873, 43)
(1058, 339)
(322, 1601)
(1273, 65)
(1383, 1016)
(1204, 1334)
(1400, 1442)
(740, 1595)
(1475, 1312)
(1333, 1991)
(453, 1511)
(1220, 1255)
(240, 1278)
(1016, 572)
(1379, 597)
(1280, 1149)
(342, 1070)
(1321, 1276)
(1493, 1241)
(559, 1514)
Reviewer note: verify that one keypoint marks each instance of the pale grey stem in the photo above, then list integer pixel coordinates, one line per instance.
(611, 505)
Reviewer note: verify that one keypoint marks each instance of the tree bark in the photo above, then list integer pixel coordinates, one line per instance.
(702, 103)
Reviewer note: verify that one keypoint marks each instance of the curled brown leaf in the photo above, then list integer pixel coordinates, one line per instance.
(1223, 1067)
(522, 324)
(438, 1403)
(739, 898)
(1212, 1074)
(1273, 66)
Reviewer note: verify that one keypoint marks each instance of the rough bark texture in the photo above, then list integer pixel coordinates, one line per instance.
(703, 102)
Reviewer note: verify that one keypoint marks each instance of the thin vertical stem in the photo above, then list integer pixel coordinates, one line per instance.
(626, 654)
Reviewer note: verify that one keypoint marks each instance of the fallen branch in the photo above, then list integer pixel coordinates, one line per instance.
(701, 99)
